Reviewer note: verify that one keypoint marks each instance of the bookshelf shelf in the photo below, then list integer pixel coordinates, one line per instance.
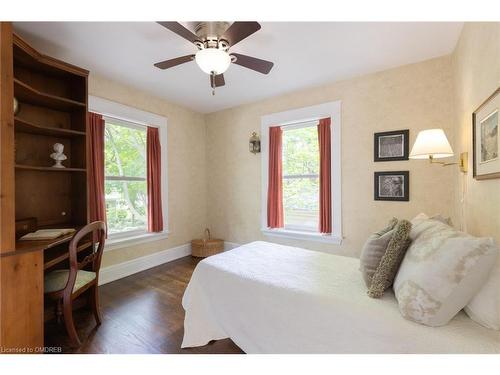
(27, 94)
(48, 169)
(29, 127)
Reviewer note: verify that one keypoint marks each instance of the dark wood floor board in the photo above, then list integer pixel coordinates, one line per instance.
(141, 313)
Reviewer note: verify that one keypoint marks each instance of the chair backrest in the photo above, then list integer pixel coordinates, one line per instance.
(93, 236)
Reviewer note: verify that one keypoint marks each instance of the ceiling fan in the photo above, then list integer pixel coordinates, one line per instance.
(213, 40)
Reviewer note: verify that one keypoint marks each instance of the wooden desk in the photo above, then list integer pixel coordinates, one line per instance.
(25, 246)
(53, 251)
(23, 271)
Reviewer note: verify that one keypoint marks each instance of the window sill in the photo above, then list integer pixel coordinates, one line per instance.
(304, 236)
(134, 239)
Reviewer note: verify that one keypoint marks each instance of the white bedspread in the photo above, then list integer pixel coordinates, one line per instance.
(270, 298)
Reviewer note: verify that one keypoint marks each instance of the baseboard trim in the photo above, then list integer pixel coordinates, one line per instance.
(121, 270)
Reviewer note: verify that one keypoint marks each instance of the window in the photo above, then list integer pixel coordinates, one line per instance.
(125, 136)
(301, 176)
(300, 172)
(125, 177)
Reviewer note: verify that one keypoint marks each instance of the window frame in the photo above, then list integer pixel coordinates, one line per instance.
(136, 118)
(294, 118)
(284, 128)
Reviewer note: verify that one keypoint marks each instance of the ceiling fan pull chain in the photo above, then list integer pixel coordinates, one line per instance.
(212, 83)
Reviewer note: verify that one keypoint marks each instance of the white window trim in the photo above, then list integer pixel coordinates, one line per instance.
(296, 116)
(131, 116)
(134, 238)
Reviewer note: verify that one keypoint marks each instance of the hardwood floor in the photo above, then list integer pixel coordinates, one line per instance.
(141, 314)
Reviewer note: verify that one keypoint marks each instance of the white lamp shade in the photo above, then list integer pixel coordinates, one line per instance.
(213, 60)
(431, 142)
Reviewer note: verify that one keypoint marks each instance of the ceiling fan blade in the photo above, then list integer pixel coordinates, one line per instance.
(217, 81)
(174, 62)
(180, 30)
(239, 31)
(259, 65)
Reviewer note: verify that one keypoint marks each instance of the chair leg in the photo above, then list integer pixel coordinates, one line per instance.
(68, 321)
(94, 301)
(58, 311)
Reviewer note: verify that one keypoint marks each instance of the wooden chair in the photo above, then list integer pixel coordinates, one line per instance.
(64, 286)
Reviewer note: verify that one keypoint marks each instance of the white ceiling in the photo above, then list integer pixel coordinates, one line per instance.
(305, 54)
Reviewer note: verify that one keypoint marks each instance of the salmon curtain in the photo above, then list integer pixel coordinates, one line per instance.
(95, 147)
(155, 215)
(325, 176)
(275, 217)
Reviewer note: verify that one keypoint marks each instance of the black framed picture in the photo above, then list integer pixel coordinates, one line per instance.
(392, 186)
(390, 146)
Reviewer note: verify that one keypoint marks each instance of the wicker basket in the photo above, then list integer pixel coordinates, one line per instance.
(207, 246)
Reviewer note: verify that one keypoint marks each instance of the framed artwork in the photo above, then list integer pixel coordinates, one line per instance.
(390, 146)
(392, 186)
(485, 139)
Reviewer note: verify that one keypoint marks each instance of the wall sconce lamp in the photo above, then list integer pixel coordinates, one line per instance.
(254, 143)
(432, 144)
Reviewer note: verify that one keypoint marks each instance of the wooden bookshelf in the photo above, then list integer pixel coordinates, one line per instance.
(52, 97)
(52, 109)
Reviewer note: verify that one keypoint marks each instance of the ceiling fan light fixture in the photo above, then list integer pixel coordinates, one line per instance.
(213, 60)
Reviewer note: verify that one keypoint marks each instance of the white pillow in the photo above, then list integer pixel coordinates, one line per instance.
(438, 217)
(443, 219)
(484, 308)
(442, 270)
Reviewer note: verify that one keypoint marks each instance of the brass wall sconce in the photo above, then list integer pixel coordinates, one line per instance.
(254, 143)
(462, 162)
(432, 144)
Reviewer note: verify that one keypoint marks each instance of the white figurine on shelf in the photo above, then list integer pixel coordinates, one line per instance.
(58, 155)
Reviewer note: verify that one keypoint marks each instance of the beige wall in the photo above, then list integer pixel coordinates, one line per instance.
(186, 167)
(414, 97)
(214, 179)
(476, 70)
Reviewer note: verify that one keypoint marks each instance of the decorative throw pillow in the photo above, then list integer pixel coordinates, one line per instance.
(389, 264)
(441, 272)
(374, 250)
(484, 308)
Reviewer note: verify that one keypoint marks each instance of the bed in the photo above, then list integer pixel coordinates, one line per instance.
(270, 298)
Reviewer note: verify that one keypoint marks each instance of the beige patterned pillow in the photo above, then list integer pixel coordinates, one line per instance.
(442, 270)
(374, 250)
(389, 264)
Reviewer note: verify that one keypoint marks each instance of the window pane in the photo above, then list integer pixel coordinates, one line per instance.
(301, 202)
(126, 205)
(125, 151)
(300, 151)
